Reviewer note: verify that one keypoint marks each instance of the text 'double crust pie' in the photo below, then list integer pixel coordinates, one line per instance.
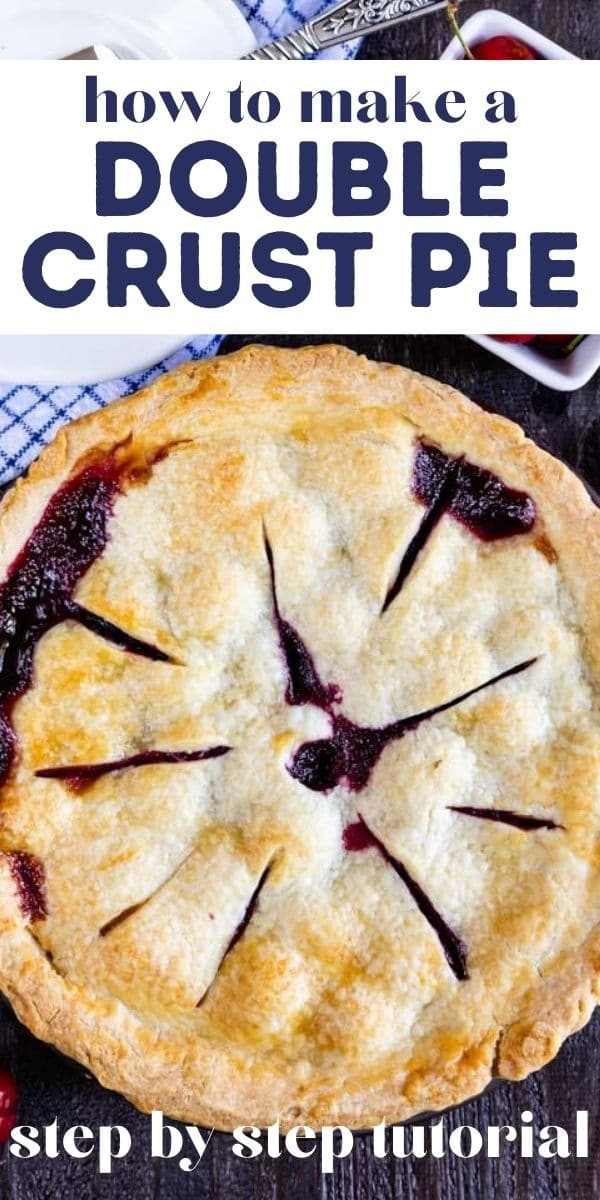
(299, 744)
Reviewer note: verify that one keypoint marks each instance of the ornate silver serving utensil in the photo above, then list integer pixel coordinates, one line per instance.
(341, 23)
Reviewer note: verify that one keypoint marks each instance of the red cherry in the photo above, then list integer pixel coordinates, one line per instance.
(519, 339)
(503, 48)
(9, 1095)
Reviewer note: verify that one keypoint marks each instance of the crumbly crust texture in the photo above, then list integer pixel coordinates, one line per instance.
(337, 1004)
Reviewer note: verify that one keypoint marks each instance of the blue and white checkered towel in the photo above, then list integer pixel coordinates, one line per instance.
(31, 415)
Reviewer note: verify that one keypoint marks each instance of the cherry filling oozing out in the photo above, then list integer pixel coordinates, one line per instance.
(36, 595)
(303, 685)
(478, 498)
(471, 495)
(491, 511)
(29, 877)
(38, 590)
(352, 752)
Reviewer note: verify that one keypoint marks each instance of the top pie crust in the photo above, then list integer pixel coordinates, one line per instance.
(326, 993)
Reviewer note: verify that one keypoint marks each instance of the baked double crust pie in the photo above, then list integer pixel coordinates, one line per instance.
(300, 753)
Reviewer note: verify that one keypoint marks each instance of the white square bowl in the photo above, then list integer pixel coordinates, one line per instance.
(560, 374)
(567, 374)
(493, 23)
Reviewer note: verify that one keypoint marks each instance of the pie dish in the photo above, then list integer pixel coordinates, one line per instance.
(300, 747)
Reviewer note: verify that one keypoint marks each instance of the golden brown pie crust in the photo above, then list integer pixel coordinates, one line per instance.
(337, 1004)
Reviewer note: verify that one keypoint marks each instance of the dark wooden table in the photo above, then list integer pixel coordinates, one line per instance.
(53, 1087)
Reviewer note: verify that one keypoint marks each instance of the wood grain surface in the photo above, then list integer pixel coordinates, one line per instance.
(52, 1087)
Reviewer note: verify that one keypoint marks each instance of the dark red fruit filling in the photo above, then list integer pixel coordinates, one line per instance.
(478, 498)
(70, 536)
(318, 765)
(78, 775)
(304, 685)
(490, 510)
(352, 752)
(442, 489)
(38, 590)
(470, 494)
(7, 741)
(359, 837)
(29, 877)
(251, 908)
(506, 817)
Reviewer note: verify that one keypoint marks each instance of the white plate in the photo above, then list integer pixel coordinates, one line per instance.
(81, 358)
(135, 28)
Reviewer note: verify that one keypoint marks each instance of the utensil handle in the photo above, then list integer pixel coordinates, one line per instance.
(343, 22)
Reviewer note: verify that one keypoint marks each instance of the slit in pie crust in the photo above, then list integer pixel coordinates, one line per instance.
(299, 744)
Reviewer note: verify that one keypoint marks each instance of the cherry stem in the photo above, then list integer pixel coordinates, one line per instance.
(574, 344)
(452, 14)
